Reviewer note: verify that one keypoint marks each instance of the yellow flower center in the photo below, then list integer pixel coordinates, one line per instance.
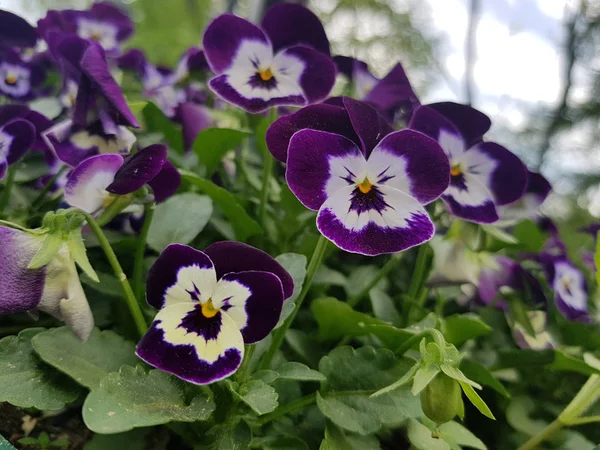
(96, 37)
(365, 187)
(10, 79)
(455, 171)
(265, 75)
(208, 310)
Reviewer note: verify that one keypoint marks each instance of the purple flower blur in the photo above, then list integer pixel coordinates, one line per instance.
(569, 286)
(211, 303)
(19, 79)
(17, 135)
(286, 62)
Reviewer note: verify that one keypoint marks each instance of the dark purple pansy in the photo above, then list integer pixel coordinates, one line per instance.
(286, 62)
(16, 32)
(91, 183)
(368, 205)
(569, 286)
(19, 79)
(54, 289)
(484, 175)
(505, 272)
(210, 308)
(528, 206)
(17, 135)
(353, 119)
(103, 23)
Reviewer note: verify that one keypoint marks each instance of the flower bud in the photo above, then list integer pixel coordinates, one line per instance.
(441, 399)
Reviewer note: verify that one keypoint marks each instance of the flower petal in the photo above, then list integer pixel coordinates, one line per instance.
(223, 38)
(324, 117)
(253, 300)
(412, 163)
(194, 118)
(509, 179)
(109, 13)
(471, 123)
(321, 163)
(430, 122)
(20, 288)
(181, 274)
(234, 257)
(527, 207)
(166, 183)
(16, 31)
(201, 350)
(369, 125)
(570, 290)
(317, 74)
(394, 224)
(473, 202)
(139, 169)
(18, 136)
(289, 24)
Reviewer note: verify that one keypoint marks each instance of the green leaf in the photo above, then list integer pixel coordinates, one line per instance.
(361, 276)
(156, 121)
(328, 276)
(408, 376)
(26, 382)
(337, 439)
(243, 224)
(481, 375)
(421, 437)
(499, 234)
(179, 220)
(299, 372)
(130, 440)
(554, 359)
(455, 373)
(295, 264)
(50, 247)
(108, 284)
(266, 376)
(259, 396)
(231, 436)
(133, 398)
(285, 443)
(423, 377)
(566, 363)
(518, 414)
(5, 445)
(476, 400)
(384, 308)
(456, 434)
(85, 362)
(212, 145)
(528, 235)
(79, 254)
(352, 376)
(459, 328)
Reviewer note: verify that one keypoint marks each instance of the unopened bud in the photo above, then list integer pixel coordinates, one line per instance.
(441, 399)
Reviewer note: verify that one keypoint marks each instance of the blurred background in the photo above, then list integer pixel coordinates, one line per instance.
(531, 65)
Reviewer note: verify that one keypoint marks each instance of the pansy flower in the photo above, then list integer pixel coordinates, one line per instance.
(542, 339)
(19, 79)
(284, 62)
(210, 304)
(16, 32)
(528, 206)
(368, 202)
(103, 23)
(54, 288)
(17, 135)
(484, 175)
(569, 286)
(94, 183)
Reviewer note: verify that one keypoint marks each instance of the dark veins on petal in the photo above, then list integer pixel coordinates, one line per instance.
(364, 202)
(257, 82)
(196, 322)
(458, 181)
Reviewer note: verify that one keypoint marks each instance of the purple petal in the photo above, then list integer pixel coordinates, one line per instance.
(235, 257)
(21, 134)
(253, 300)
(333, 119)
(139, 169)
(16, 31)
(86, 186)
(430, 122)
(320, 163)
(132, 59)
(184, 342)
(570, 288)
(391, 221)
(412, 163)
(194, 118)
(484, 212)
(509, 179)
(180, 274)
(347, 65)
(224, 36)
(107, 12)
(289, 24)
(20, 288)
(471, 123)
(369, 125)
(394, 95)
(166, 183)
(318, 76)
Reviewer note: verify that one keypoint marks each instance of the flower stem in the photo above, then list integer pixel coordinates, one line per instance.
(416, 281)
(264, 194)
(435, 335)
(291, 407)
(279, 334)
(585, 398)
(132, 303)
(138, 268)
(8, 185)
(244, 371)
(387, 268)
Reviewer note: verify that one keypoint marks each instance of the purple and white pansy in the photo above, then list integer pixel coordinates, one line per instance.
(17, 135)
(210, 304)
(484, 175)
(369, 202)
(54, 288)
(285, 62)
(569, 285)
(94, 184)
(19, 79)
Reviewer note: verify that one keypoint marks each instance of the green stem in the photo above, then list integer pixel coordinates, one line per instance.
(387, 268)
(585, 399)
(138, 268)
(279, 334)
(44, 192)
(244, 372)
(132, 303)
(435, 335)
(417, 278)
(8, 185)
(264, 194)
(291, 407)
